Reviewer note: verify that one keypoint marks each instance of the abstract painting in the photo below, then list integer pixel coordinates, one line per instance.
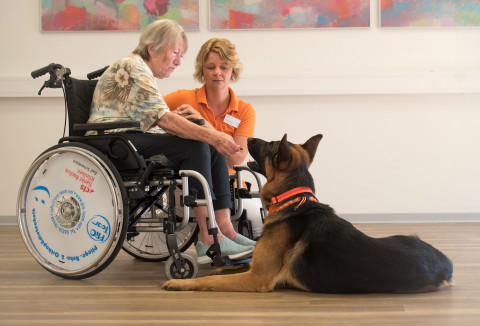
(115, 15)
(429, 13)
(264, 14)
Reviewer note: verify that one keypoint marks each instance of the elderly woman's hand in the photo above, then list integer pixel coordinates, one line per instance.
(225, 144)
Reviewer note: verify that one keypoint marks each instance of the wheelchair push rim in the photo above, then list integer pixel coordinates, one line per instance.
(71, 212)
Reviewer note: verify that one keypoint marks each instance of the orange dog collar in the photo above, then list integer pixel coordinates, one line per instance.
(289, 194)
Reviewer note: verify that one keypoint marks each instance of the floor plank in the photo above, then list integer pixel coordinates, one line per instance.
(128, 292)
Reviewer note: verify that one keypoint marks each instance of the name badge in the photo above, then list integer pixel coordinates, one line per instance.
(232, 121)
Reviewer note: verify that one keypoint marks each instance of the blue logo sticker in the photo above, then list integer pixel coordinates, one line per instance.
(39, 198)
(98, 228)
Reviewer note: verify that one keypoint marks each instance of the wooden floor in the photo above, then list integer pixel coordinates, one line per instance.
(128, 292)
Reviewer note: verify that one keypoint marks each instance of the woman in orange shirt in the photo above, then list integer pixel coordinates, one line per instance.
(217, 64)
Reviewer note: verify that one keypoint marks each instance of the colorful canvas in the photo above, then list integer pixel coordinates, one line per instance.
(132, 15)
(429, 13)
(259, 14)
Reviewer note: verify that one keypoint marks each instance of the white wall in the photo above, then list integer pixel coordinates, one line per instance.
(399, 108)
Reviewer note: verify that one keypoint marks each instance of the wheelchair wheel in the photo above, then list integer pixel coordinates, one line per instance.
(152, 246)
(72, 210)
(190, 268)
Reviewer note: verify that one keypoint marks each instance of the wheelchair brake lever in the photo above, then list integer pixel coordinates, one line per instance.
(41, 89)
(58, 73)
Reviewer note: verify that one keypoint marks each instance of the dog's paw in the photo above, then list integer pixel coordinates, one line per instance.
(172, 285)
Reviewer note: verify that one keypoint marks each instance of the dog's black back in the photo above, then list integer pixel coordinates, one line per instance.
(338, 258)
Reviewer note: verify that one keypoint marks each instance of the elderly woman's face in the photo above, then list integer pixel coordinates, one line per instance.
(163, 63)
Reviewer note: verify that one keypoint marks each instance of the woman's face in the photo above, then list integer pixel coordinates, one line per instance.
(216, 72)
(163, 63)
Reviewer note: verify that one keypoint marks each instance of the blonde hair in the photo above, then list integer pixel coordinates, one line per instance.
(226, 50)
(159, 35)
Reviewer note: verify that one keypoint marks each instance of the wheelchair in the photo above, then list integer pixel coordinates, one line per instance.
(87, 197)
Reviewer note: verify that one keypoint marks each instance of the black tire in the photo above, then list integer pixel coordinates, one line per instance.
(191, 268)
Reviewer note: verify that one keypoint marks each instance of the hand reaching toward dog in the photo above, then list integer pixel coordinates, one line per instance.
(225, 144)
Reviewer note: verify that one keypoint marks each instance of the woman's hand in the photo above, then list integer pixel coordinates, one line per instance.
(187, 112)
(176, 125)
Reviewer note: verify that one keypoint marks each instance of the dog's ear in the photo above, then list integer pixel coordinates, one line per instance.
(311, 145)
(284, 153)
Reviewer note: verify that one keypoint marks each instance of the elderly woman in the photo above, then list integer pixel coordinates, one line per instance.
(127, 91)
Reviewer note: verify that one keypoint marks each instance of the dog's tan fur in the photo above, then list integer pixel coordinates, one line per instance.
(274, 252)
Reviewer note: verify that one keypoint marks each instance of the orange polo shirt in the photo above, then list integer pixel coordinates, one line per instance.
(237, 109)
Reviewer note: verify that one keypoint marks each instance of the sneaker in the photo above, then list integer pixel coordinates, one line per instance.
(244, 241)
(229, 248)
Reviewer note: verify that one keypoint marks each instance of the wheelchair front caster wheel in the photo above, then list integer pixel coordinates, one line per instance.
(188, 269)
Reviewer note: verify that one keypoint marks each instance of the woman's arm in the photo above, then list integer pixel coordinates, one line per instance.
(238, 158)
(181, 127)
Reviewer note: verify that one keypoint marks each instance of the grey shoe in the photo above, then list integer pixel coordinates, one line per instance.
(244, 241)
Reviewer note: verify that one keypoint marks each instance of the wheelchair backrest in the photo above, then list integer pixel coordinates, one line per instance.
(79, 94)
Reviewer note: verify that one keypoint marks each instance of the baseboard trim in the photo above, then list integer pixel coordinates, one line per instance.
(413, 218)
(8, 220)
(370, 218)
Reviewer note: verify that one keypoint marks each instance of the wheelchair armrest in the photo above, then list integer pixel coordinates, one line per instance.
(100, 127)
(200, 122)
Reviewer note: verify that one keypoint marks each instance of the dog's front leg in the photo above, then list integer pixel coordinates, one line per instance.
(243, 282)
(265, 271)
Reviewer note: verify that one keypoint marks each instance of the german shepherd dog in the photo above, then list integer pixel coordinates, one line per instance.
(305, 245)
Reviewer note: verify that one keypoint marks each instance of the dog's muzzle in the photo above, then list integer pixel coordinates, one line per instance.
(253, 165)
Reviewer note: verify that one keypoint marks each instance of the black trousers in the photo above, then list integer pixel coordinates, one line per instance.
(188, 154)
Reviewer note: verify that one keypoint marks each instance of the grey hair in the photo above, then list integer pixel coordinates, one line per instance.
(158, 36)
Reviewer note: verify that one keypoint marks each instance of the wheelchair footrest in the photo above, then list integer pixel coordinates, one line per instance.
(230, 262)
(218, 260)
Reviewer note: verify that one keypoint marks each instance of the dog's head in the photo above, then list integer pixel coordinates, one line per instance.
(285, 165)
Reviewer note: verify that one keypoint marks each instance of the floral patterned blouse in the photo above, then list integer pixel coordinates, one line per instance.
(127, 91)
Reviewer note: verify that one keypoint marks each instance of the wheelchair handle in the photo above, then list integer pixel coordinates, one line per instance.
(97, 73)
(58, 74)
(42, 71)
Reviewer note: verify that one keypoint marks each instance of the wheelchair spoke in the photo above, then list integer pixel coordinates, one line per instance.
(148, 244)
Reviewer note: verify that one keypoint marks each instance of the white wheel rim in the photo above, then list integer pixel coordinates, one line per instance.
(70, 210)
